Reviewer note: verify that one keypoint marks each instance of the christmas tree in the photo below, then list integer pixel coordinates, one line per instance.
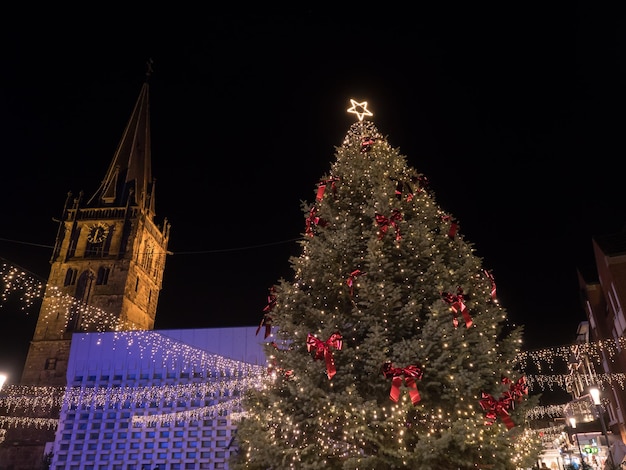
(388, 348)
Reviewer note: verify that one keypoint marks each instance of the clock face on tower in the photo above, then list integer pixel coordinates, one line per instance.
(97, 233)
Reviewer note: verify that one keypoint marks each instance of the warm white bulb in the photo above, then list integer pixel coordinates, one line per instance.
(595, 395)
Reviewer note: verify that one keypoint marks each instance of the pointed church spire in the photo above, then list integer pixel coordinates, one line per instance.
(128, 180)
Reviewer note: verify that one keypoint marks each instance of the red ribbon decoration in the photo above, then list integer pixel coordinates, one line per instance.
(496, 408)
(493, 285)
(350, 281)
(410, 373)
(384, 223)
(366, 143)
(267, 322)
(271, 301)
(311, 220)
(457, 305)
(322, 350)
(321, 187)
(517, 389)
(422, 183)
(400, 185)
(267, 319)
(453, 226)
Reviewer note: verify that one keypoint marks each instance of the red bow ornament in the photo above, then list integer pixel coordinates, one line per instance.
(271, 301)
(453, 226)
(322, 350)
(385, 222)
(457, 304)
(366, 143)
(517, 389)
(410, 374)
(496, 408)
(493, 285)
(400, 188)
(321, 187)
(267, 322)
(267, 319)
(422, 183)
(313, 219)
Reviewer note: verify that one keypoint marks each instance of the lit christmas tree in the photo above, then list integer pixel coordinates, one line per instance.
(390, 349)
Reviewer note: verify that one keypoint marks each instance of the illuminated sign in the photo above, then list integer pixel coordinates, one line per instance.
(590, 449)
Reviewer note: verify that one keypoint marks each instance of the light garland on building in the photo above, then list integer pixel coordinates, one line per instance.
(220, 409)
(31, 397)
(551, 434)
(27, 422)
(30, 289)
(46, 398)
(540, 412)
(95, 397)
(561, 381)
(16, 280)
(549, 357)
(170, 352)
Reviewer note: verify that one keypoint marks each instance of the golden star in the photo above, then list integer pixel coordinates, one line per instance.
(360, 109)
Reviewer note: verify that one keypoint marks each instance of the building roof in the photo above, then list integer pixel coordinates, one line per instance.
(613, 244)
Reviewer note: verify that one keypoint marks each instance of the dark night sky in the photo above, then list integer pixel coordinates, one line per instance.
(515, 114)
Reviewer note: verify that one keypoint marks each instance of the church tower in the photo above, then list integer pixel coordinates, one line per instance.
(108, 260)
(106, 273)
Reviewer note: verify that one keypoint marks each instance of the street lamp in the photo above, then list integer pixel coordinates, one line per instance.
(595, 395)
(572, 422)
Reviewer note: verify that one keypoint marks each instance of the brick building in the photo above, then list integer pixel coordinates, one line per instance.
(603, 294)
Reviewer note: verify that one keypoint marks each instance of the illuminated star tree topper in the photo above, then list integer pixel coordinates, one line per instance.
(360, 109)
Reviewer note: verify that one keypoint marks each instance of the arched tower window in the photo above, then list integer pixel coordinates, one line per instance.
(71, 251)
(103, 275)
(70, 277)
(83, 291)
(147, 255)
